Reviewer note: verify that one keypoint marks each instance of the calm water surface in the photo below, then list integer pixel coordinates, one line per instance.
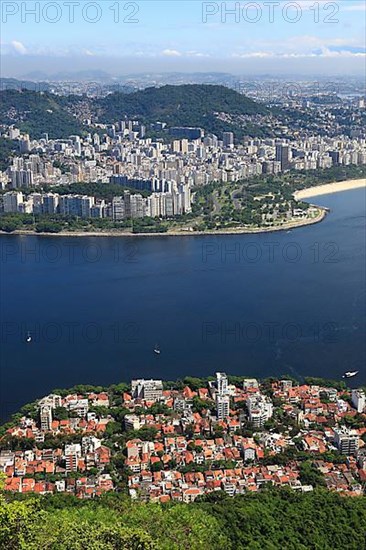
(258, 305)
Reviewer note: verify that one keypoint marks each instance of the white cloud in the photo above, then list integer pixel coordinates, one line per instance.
(193, 53)
(171, 53)
(303, 46)
(254, 54)
(323, 53)
(18, 47)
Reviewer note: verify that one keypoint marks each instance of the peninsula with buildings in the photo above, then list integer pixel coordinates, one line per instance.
(140, 175)
(163, 441)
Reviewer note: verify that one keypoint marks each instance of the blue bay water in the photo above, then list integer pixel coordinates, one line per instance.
(260, 305)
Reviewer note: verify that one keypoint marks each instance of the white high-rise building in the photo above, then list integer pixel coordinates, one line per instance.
(359, 400)
(260, 409)
(150, 390)
(118, 208)
(346, 441)
(221, 383)
(222, 406)
(222, 396)
(50, 203)
(12, 201)
(45, 415)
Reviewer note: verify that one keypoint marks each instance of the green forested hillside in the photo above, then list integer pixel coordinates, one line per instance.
(270, 520)
(37, 113)
(8, 148)
(186, 105)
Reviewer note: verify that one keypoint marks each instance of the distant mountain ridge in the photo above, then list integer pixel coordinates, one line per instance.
(214, 108)
(15, 84)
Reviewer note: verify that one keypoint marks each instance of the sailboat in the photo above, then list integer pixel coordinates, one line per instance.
(28, 338)
(157, 349)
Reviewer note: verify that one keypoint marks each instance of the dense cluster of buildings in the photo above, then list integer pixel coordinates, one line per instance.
(127, 206)
(182, 443)
(121, 154)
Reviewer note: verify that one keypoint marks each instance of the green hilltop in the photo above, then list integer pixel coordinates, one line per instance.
(185, 105)
(37, 113)
(214, 108)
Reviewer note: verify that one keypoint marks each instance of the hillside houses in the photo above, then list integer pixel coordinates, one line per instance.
(182, 442)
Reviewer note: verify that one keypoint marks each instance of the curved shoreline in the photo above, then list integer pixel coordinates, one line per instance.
(329, 188)
(230, 231)
(307, 193)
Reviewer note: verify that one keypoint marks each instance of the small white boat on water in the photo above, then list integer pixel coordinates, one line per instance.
(350, 374)
(28, 338)
(157, 350)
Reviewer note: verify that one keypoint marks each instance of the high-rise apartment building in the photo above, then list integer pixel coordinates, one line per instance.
(260, 409)
(346, 441)
(150, 390)
(45, 416)
(283, 156)
(222, 396)
(359, 400)
(11, 201)
(228, 139)
(222, 383)
(222, 406)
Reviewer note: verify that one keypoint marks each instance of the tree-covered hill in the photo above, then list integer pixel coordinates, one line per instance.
(214, 108)
(270, 520)
(185, 105)
(38, 113)
(16, 84)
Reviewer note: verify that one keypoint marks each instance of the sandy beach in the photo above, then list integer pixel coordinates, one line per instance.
(329, 188)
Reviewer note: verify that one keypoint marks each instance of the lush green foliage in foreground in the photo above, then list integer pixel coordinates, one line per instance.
(270, 520)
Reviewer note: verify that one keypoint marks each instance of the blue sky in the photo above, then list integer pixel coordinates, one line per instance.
(188, 35)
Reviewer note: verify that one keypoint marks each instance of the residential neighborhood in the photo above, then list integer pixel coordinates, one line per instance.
(165, 441)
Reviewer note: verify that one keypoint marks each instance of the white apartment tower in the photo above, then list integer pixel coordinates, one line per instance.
(150, 390)
(221, 383)
(222, 396)
(359, 400)
(46, 417)
(346, 441)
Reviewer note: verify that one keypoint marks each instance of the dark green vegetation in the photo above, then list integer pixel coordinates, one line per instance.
(196, 105)
(270, 520)
(15, 84)
(37, 113)
(187, 105)
(47, 223)
(98, 190)
(212, 107)
(8, 148)
(222, 205)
